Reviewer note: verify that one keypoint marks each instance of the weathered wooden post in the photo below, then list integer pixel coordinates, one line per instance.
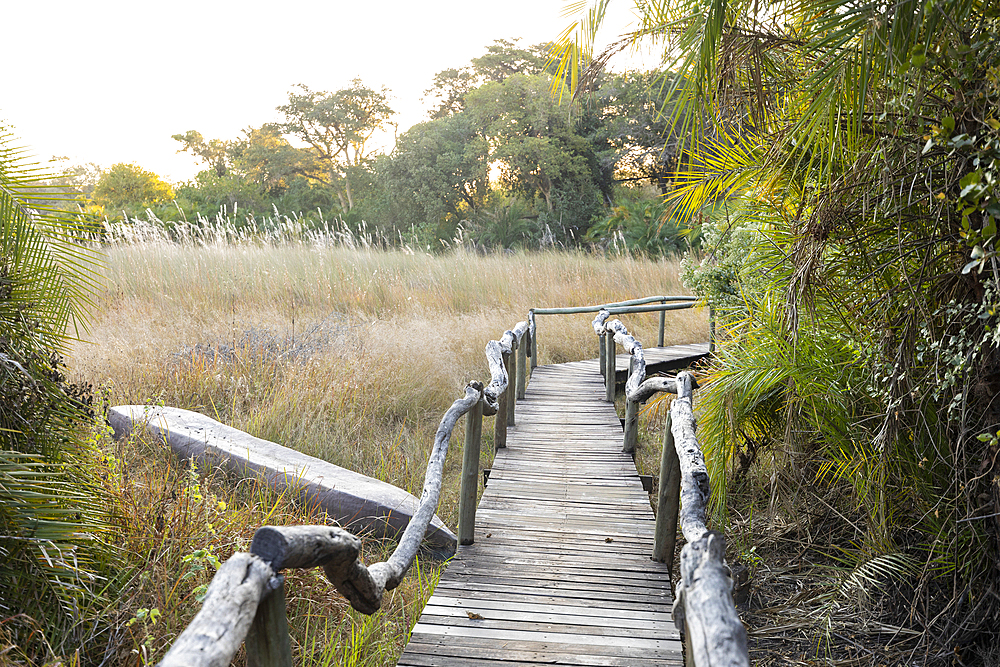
(663, 323)
(522, 364)
(533, 328)
(631, 425)
(500, 423)
(609, 368)
(267, 642)
(601, 345)
(668, 500)
(511, 362)
(470, 475)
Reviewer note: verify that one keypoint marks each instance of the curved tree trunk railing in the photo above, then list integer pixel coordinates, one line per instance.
(245, 600)
(703, 607)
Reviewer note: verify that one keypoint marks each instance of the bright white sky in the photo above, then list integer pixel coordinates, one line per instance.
(109, 81)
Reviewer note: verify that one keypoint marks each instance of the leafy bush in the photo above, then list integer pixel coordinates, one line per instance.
(646, 226)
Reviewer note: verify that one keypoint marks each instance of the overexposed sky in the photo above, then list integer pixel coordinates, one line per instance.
(109, 81)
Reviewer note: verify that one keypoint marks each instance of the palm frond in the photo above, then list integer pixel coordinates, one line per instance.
(869, 571)
(51, 514)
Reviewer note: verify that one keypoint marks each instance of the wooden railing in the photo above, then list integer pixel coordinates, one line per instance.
(646, 304)
(504, 356)
(703, 604)
(245, 600)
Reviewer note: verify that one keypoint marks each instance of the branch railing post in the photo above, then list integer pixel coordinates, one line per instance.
(667, 501)
(631, 426)
(663, 324)
(533, 338)
(609, 368)
(500, 423)
(711, 329)
(267, 642)
(470, 475)
(522, 365)
(501, 392)
(601, 353)
(511, 391)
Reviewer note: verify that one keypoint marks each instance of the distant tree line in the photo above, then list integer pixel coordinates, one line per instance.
(505, 160)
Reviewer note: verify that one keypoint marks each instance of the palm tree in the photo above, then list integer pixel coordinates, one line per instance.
(859, 145)
(49, 516)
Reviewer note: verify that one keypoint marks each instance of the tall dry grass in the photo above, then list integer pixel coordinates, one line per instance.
(348, 354)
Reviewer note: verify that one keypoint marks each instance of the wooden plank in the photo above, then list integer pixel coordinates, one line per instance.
(513, 635)
(628, 552)
(569, 564)
(659, 628)
(586, 595)
(523, 599)
(562, 574)
(605, 615)
(557, 653)
(508, 625)
(553, 583)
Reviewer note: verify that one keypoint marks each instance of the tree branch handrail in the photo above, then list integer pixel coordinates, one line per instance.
(574, 310)
(633, 306)
(496, 352)
(660, 304)
(245, 600)
(703, 606)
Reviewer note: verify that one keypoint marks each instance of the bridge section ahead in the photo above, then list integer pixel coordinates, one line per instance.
(560, 572)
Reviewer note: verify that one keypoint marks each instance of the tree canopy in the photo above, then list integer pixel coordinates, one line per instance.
(498, 143)
(337, 127)
(129, 187)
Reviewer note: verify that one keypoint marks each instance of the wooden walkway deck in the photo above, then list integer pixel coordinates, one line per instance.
(560, 572)
(662, 359)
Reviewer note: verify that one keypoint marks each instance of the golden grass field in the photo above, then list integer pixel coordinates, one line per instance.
(351, 355)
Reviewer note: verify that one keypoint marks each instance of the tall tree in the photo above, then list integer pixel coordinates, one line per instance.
(531, 137)
(437, 175)
(337, 127)
(264, 157)
(631, 125)
(449, 91)
(214, 152)
(130, 188)
(502, 59)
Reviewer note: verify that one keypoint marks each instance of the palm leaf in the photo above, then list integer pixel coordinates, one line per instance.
(51, 515)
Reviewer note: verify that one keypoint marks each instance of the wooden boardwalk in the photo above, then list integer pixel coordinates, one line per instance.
(662, 359)
(560, 572)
